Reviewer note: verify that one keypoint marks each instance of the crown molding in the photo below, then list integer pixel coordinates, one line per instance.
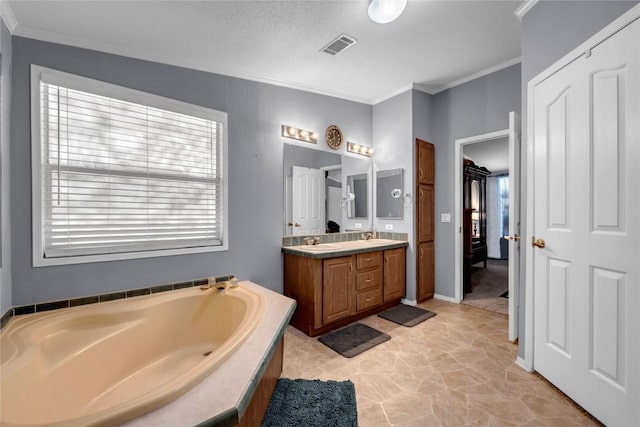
(47, 36)
(524, 8)
(392, 94)
(477, 75)
(7, 15)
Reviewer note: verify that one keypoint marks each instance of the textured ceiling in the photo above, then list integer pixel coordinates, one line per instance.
(432, 44)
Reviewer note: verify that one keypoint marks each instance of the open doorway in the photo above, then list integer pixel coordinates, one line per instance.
(487, 214)
(485, 222)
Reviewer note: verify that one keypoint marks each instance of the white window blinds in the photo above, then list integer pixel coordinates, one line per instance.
(121, 177)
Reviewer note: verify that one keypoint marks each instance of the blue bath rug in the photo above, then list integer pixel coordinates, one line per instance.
(312, 403)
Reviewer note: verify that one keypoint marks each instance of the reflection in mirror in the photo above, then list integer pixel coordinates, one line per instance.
(389, 190)
(357, 200)
(315, 191)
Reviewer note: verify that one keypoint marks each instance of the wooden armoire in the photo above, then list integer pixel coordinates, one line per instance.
(474, 219)
(425, 178)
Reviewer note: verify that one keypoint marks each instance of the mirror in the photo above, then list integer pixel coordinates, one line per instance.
(356, 192)
(315, 191)
(389, 191)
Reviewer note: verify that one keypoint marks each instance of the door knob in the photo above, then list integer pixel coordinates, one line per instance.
(290, 224)
(539, 243)
(515, 237)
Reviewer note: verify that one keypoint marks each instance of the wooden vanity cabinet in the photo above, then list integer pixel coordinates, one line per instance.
(338, 290)
(368, 280)
(333, 292)
(394, 274)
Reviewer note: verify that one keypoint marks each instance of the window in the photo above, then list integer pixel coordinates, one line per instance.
(120, 174)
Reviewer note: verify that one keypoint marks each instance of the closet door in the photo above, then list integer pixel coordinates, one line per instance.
(586, 139)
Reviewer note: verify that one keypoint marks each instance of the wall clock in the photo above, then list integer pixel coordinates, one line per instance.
(334, 137)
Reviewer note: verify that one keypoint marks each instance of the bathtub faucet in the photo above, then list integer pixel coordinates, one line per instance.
(367, 236)
(232, 283)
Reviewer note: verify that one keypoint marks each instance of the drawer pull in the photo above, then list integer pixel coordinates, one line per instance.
(367, 259)
(368, 280)
(368, 299)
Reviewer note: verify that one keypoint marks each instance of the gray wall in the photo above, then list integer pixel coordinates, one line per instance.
(473, 108)
(255, 176)
(550, 30)
(5, 99)
(392, 140)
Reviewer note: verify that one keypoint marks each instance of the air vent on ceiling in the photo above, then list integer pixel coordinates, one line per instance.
(341, 42)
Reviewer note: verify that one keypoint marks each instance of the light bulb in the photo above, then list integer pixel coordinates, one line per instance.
(385, 11)
(292, 131)
(304, 134)
(314, 136)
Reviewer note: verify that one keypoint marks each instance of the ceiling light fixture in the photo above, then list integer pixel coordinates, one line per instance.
(385, 11)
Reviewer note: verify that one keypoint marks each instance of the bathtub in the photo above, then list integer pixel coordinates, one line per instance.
(107, 363)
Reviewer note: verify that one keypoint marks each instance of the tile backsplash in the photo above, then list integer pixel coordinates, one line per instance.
(74, 302)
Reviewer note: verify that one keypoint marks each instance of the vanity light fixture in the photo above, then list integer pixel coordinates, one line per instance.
(352, 147)
(385, 11)
(299, 134)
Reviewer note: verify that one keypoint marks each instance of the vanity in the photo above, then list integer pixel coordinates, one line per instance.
(329, 200)
(335, 284)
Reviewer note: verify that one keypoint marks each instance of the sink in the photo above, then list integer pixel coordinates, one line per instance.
(320, 248)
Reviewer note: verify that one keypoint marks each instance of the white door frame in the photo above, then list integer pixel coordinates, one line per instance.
(458, 158)
(631, 15)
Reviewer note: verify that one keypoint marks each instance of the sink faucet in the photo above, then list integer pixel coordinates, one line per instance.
(311, 240)
(367, 236)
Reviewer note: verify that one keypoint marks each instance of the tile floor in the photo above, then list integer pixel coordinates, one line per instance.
(455, 369)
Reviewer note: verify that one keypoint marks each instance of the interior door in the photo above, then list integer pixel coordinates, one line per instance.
(514, 222)
(308, 201)
(586, 275)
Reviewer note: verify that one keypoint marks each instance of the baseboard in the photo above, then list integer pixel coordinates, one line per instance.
(411, 302)
(523, 364)
(445, 298)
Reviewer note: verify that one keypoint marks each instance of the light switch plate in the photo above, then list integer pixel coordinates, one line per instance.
(445, 217)
(388, 226)
(358, 225)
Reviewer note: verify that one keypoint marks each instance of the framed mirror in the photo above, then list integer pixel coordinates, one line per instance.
(389, 192)
(315, 191)
(357, 196)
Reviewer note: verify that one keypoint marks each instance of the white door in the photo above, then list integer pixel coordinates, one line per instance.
(587, 187)
(308, 201)
(514, 222)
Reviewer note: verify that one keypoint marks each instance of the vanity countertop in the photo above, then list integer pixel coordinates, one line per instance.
(332, 250)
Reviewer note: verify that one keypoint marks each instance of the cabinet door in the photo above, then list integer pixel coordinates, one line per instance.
(425, 163)
(338, 289)
(425, 271)
(394, 274)
(425, 213)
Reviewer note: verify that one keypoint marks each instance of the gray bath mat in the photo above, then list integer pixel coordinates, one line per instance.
(354, 339)
(312, 403)
(406, 315)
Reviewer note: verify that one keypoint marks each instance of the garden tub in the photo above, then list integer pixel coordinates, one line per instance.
(104, 364)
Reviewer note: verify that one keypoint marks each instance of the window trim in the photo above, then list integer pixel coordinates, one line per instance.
(127, 94)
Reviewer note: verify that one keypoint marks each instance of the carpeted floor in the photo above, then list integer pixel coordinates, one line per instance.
(487, 286)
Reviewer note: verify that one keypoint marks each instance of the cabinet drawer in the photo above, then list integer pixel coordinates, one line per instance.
(369, 280)
(368, 260)
(365, 300)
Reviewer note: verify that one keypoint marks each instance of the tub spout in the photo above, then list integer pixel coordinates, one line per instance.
(232, 283)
